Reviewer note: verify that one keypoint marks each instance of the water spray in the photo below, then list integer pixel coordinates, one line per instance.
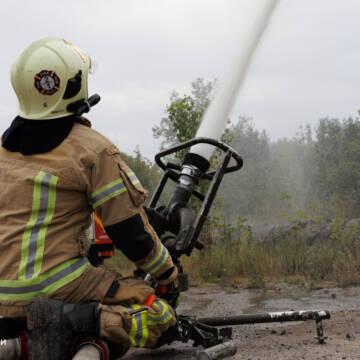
(177, 225)
(196, 162)
(216, 115)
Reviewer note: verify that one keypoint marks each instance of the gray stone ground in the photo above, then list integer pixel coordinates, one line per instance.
(273, 341)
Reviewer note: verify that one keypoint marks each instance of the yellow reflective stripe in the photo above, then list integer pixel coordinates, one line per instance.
(33, 241)
(162, 318)
(30, 225)
(133, 178)
(45, 283)
(144, 329)
(133, 331)
(107, 192)
(111, 190)
(139, 332)
(165, 319)
(159, 261)
(136, 331)
(47, 221)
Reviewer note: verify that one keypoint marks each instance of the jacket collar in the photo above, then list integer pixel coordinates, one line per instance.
(36, 136)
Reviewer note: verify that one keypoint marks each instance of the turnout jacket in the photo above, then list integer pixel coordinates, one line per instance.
(46, 202)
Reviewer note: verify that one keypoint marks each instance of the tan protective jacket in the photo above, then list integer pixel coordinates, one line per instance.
(46, 202)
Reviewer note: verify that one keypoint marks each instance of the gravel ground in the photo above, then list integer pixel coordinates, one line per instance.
(273, 340)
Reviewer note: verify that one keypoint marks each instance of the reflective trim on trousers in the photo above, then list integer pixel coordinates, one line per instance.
(162, 318)
(139, 331)
(142, 332)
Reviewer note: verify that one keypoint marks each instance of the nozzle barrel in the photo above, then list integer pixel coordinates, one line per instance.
(217, 352)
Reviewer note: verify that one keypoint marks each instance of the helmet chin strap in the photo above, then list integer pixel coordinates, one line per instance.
(83, 106)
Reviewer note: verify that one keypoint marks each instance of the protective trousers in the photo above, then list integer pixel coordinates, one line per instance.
(135, 325)
(125, 323)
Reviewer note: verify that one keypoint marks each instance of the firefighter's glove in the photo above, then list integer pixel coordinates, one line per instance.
(131, 291)
(169, 292)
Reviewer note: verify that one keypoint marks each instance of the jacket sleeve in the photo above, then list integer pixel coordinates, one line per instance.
(117, 195)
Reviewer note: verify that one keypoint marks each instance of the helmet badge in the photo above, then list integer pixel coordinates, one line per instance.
(47, 82)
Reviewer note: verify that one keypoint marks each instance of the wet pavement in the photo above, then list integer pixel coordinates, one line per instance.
(294, 298)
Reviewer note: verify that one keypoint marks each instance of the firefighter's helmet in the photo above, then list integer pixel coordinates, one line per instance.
(49, 75)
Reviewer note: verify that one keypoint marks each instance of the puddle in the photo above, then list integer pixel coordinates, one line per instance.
(204, 302)
(332, 299)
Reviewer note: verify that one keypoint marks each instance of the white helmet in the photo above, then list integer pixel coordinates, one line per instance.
(49, 75)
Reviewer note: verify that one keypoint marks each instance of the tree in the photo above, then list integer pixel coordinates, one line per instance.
(337, 160)
(291, 169)
(184, 114)
(183, 119)
(250, 185)
(147, 172)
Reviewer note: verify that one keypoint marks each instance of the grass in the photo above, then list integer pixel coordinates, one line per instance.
(247, 262)
(120, 263)
(290, 258)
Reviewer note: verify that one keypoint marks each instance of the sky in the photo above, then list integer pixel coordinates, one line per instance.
(306, 67)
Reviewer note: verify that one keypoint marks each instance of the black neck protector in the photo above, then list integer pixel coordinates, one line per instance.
(36, 136)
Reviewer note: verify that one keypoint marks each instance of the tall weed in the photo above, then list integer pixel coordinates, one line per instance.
(289, 255)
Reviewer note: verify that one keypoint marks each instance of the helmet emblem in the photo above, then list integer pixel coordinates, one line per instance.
(47, 82)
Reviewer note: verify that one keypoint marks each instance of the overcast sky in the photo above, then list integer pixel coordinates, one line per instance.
(306, 67)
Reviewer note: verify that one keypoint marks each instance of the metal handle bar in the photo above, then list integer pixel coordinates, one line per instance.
(203, 140)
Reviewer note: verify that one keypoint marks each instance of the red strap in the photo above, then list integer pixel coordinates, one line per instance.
(149, 300)
(24, 345)
(109, 253)
(161, 290)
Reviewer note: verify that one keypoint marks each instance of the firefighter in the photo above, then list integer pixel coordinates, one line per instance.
(54, 172)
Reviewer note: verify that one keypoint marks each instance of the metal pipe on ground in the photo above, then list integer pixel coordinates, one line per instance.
(88, 352)
(266, 318)
(10, 349)
(217, 352)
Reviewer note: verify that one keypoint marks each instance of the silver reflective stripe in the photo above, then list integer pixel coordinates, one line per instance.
(139, 331)
(46, 282)
(110, 192)
(133, 178)
(156, 318)
(33, 240)
(154, 266)
(44, 200)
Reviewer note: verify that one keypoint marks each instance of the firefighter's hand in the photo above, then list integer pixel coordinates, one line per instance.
(169, 292)
(131, 292)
